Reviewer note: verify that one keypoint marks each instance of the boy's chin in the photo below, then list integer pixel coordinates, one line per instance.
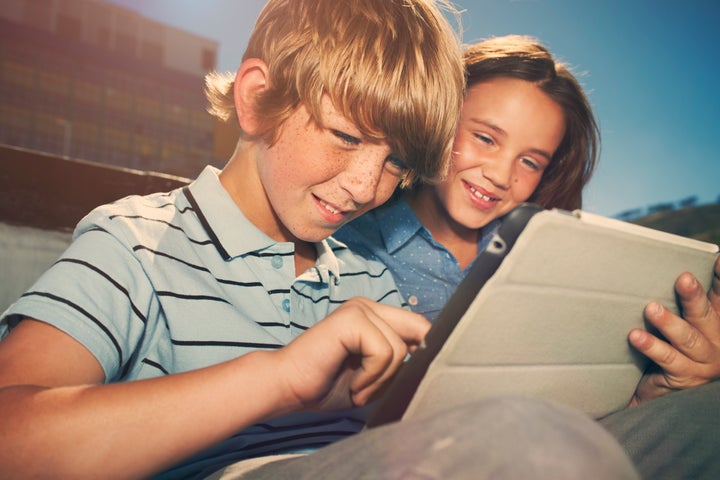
(316, 236)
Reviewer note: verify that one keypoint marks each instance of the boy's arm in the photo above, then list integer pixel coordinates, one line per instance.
(691, 355)
(54, 407)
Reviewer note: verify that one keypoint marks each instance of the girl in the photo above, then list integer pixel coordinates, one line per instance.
(526, 133)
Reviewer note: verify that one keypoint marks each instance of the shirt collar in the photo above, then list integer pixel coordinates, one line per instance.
(231, 232)
(397, 223)
(327, 257)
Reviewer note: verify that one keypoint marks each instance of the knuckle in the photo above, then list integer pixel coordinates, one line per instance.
(692, 339)
(668, 357)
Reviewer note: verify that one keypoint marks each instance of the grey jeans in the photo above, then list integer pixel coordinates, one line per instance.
(674, 437)
(500, 439)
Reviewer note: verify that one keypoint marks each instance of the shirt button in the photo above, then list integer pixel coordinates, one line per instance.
(286, 305)
(413, 300)
(276, 261)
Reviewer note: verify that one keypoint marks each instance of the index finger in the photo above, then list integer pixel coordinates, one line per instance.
(411, 327)
(697, 306)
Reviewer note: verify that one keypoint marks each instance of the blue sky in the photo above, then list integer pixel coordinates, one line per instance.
(650, 67)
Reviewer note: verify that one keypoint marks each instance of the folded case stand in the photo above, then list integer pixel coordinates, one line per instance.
(545, 311)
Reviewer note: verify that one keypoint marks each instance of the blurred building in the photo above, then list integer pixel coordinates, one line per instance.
(90, 80)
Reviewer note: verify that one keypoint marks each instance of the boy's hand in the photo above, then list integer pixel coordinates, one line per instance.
(347, 357)
(691, 355)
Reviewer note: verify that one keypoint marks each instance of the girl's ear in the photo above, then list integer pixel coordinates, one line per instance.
(251, 80)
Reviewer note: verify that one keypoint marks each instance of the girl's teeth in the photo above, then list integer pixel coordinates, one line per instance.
(478, 194)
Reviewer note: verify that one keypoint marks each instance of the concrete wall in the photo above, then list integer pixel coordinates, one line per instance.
(25, 253)
(42, 197)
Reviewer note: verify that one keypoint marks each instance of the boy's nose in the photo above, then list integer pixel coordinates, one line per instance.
(361, 178)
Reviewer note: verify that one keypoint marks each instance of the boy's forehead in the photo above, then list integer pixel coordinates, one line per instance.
(331, 112)
(357, 117)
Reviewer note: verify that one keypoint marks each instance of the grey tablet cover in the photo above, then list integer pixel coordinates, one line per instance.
(545, 311)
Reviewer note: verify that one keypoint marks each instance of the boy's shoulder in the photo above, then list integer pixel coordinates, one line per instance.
(154, 213)
(158, 208)
(137, 204)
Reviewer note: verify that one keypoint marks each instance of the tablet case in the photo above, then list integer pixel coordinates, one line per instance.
(545, 311)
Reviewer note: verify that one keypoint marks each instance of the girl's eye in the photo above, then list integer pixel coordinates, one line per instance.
(349, 139)
(484, 138)
(396, 165)
(531, 164)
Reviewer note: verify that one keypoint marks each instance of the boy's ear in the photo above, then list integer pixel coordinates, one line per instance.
(251, 80)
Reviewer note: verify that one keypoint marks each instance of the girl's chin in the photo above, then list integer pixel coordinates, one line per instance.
(480, 218)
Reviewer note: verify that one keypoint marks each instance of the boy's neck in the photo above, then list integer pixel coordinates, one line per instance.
(305, 256)
(242, 182)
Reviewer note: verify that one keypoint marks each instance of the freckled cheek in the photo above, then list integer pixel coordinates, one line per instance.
(323, 166)
(305, 167)
(385, 189)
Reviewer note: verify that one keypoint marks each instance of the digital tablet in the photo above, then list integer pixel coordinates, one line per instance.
(545, 312)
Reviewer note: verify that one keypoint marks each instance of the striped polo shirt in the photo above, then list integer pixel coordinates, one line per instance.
(176, 281)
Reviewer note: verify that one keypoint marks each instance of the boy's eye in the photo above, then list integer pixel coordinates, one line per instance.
(349, 139)
(396, 165)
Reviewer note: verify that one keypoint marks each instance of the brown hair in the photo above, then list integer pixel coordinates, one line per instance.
(393, 67)
(522, 57)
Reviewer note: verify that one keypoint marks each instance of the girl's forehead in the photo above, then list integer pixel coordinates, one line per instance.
(507, 92)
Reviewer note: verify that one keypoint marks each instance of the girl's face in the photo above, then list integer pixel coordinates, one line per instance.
(508, 132)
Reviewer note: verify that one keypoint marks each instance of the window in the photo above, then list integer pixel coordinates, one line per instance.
(125, 43)
(69, 27)
(103, 37)
(37, 13)
(152, 52)
(208, 60)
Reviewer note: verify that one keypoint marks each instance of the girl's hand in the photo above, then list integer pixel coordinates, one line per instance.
(691, 355)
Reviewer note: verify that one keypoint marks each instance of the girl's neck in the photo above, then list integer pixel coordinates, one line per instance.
(460, 241)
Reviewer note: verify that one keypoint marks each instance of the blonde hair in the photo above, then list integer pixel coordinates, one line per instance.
(393, 67)
(524, 58)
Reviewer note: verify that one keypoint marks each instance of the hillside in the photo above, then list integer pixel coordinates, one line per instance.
(700, 222)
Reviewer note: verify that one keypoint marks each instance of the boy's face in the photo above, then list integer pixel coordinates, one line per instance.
(317, 178)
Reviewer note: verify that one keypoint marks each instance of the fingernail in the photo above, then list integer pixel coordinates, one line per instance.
(654, 309)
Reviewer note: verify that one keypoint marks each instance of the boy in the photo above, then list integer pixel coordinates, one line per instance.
(202, 326)
(172, 332)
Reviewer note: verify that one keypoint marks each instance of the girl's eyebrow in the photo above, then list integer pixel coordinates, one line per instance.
(487, 123)
(542, 153)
